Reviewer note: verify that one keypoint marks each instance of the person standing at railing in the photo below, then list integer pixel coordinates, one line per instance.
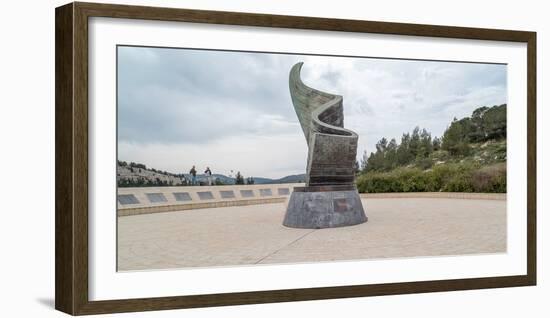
(193, 173)
(208, 174)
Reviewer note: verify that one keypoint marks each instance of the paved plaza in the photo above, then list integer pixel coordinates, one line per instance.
(246, 235)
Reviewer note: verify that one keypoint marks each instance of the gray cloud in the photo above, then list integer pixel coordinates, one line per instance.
(171, 95)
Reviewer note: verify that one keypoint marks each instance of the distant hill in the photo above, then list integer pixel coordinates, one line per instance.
(139, 175)
(261, 180)
(224, 179)
(296, 178)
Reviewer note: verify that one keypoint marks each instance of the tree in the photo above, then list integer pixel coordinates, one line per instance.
(414, 144)
(455, 139)
(477, 133)
(403, 154)
(375, 162)
(137, 165)
(381, 145)
(249, 180)
(239, 179)
(486, 123)
(372, 164)
(426, 146)
(494, 122)
(390, 155)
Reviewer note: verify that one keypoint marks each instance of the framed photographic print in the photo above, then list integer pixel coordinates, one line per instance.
(210, 158)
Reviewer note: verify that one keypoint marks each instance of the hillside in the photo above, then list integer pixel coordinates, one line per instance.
(469, 157)
(485, 153)
(137, 175)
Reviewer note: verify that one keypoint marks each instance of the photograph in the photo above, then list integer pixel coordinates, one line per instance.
(241, 158)
(228, 156)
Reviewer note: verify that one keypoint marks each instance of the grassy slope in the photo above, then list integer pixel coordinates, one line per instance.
(486, 153)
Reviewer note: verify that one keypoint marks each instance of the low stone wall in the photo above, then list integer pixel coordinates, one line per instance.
(436, 195)
(192, 206)
(133, 201)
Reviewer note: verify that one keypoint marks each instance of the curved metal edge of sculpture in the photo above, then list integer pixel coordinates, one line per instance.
(330, 198)
(323, 109)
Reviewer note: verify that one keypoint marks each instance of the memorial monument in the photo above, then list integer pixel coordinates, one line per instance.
(330, 197)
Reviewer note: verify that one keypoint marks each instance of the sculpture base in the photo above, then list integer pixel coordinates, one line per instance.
(320, 207)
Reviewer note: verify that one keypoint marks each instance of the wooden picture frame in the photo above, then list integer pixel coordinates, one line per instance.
(71, 155)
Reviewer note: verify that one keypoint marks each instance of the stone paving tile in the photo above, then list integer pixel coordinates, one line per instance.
(254, 234)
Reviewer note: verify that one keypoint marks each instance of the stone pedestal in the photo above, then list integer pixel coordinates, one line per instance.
(319, 207)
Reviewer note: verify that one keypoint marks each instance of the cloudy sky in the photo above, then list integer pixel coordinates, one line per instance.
(232, 110)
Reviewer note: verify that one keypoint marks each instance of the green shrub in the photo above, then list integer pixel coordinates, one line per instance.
(498, 185)
(398, 180)
(452, 177)
(377, 182)
(416, 180)
(459, 183)
(490, 179)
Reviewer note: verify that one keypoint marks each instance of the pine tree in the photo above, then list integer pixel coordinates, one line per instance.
(390, 155)
(426, 146)
(403, 154)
